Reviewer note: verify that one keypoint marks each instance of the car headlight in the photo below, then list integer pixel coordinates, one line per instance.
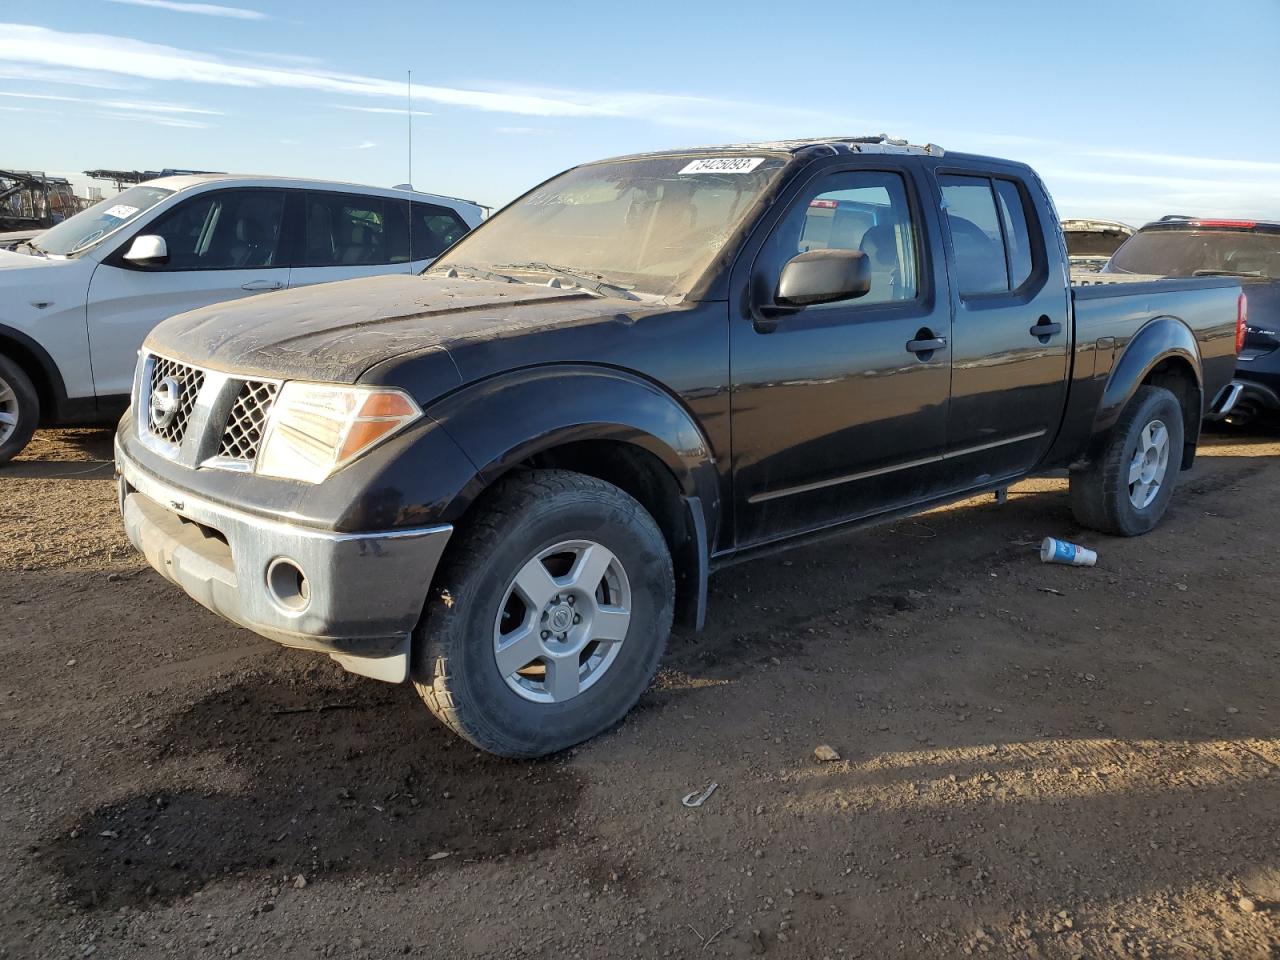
(316, 428)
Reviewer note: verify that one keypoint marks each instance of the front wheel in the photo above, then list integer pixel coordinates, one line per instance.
(549, 616)
(19, 409)
(1127, 490)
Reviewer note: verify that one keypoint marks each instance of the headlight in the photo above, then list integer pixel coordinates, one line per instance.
(317, 428)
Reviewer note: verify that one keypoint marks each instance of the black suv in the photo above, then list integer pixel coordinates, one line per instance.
(1178, 246)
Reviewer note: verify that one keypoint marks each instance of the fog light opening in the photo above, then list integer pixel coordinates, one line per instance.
(288, 585)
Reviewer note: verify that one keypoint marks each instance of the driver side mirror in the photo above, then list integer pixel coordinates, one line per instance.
(148, 250)
(823, 276)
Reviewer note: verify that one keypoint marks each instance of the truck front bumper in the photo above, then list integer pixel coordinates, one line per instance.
(354, 596)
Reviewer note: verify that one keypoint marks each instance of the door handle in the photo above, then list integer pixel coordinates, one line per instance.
(256, 285)
(926, 346)
(1045, 329)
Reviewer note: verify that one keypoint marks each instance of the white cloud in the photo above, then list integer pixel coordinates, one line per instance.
(399, 112)
(203, 9)
(521, 131)
(144, 106)
(363, 145)
(180, 122)
(20, 43)
(77, 78)
(1186, 162)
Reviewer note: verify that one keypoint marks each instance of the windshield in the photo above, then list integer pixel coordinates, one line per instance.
(1189, 253)
(1093, 243)
(89, 226)
(650, 226)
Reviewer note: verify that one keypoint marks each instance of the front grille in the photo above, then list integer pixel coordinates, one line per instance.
(170, 424)
(248, 418)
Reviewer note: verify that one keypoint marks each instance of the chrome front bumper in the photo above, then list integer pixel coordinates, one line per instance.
(354, 596)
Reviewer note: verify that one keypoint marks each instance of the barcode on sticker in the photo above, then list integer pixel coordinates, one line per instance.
(723, 165)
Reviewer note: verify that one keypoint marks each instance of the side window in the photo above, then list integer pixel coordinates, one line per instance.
(975, 235)
(865, 211)
(1017, 238)
(435, 228)
(223, 230)
(346, 229)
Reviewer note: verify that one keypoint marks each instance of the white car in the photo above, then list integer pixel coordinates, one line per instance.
(77, 300)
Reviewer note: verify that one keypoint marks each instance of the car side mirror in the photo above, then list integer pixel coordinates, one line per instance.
(148, 250)
(823, 276)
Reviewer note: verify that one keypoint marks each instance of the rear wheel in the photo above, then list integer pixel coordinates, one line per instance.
(1127, 490)
(549, 616)
(19, 409)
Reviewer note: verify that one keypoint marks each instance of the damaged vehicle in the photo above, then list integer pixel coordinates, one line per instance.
(1090, 243)
(504, 479)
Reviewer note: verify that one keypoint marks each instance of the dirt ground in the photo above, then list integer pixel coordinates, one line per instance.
(1037, 761)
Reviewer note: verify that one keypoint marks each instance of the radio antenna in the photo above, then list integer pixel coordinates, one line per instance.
(408, 203)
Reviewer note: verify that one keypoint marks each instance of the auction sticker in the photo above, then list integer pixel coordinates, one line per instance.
(723, 165)
(121, 211)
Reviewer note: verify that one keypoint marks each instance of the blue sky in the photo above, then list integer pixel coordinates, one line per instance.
(1129, 108)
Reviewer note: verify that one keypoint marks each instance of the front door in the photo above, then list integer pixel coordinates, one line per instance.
(1012, 330)
(839, 410)
(223, 245)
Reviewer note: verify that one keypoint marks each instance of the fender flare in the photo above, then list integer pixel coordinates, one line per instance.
(47, 370)
(506, 419)
(1158, 340)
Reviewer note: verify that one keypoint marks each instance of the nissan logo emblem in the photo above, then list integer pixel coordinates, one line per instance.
(166, 397)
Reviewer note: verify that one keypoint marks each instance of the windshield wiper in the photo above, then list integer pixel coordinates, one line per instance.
(1227, 273)
(474, 272)
(34, 247)
(587, 281)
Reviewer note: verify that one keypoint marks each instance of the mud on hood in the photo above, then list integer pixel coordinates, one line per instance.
(336, 331)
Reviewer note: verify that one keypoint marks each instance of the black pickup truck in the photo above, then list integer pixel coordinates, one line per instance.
(504, 478)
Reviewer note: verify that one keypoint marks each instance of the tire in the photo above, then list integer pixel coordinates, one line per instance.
(19, 409)
(1103, 496)
(479, 617)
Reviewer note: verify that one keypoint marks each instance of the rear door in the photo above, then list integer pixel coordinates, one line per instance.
(223, 245)
(838, 411)
(1011, 337)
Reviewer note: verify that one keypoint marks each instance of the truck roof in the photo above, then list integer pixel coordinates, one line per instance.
(876, 143)
(188, 180)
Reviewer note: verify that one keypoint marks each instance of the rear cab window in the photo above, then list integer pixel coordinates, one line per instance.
(991, 233)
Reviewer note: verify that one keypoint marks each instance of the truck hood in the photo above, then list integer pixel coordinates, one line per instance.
(336, 331)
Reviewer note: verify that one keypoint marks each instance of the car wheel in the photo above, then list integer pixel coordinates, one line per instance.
(19, 409)
(548, 617)
(1127, 490)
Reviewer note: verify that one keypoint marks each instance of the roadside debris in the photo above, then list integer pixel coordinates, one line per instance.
(697, 799)
(825, 753)
(1059, 551)
(1247, 904)
(439, 855)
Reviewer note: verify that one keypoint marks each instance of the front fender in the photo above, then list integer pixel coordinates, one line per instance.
(1157, 341)
(505, 420)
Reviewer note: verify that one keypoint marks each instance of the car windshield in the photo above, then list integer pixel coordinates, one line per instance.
(650, 226)
(1191, 253)
(105, 217)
